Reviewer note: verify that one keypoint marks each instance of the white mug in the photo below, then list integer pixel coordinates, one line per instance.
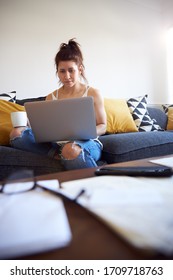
(19, 119)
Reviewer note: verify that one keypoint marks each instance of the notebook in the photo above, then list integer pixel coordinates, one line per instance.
(63, 119)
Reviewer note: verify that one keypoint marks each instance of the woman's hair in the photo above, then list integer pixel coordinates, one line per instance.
(71, 51)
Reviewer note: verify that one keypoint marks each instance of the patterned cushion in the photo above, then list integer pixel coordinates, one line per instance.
(166, 107)
(32, 99)
(138, 109)
(8, 96)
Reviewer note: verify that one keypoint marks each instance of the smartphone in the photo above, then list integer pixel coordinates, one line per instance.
(155, 171)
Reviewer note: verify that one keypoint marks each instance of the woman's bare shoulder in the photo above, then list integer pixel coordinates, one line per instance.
(95, 93)
(49, 96)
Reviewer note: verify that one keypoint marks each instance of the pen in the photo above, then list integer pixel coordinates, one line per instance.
(79, 194)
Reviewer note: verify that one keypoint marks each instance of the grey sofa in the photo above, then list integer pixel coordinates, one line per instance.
(138, 145)
(117, 148)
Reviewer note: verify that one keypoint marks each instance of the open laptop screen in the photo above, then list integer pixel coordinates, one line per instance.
(63, 119)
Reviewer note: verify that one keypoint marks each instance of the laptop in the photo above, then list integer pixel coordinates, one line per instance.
(63, 119)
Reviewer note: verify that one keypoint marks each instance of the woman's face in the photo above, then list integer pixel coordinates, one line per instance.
(68, 73)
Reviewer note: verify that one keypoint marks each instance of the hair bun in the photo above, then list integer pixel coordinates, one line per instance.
(74, 45)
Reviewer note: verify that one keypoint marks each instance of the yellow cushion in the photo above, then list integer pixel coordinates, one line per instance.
(170, 119)
(6, 108)
(119, 118)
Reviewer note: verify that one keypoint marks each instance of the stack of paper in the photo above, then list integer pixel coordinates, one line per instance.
(32, 222)
(167, 161)
(140, 209)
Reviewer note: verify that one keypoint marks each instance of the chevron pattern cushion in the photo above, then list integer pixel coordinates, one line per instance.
(8, 96)
(166, 107)
(142, 119)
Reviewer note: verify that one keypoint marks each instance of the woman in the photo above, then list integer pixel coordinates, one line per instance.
(77, 154)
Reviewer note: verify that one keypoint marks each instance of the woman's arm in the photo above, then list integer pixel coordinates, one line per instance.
(101, 120)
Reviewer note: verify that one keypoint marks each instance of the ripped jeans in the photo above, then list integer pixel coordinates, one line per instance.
(90, 154)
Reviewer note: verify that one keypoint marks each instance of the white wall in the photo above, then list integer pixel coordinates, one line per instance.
(167, 12)
(122, 41)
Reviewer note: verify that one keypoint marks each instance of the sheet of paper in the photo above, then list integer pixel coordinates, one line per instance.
(164, 161)
(106, 191)
(138, 208)
(32, 222)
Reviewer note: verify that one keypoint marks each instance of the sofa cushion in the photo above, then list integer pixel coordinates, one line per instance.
(138, 109)
(170, 119)
(6, 108)
(134, 145)
(119, 118)
(13, 159)
(8, 96)
(166, 107)
(159, 116)
(32, 99)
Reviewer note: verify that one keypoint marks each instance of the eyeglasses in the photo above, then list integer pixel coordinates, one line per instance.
(22, 185)
(8, 186)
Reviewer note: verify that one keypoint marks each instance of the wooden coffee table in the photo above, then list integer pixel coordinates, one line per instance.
(92, 239)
